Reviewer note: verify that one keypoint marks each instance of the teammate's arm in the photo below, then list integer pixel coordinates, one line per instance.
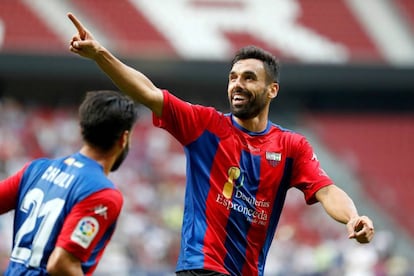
(62, 263)
(75, 243)
(341, 208)
(128, 80)
(9, 191)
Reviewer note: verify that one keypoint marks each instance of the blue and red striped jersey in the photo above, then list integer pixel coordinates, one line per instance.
(237, 182)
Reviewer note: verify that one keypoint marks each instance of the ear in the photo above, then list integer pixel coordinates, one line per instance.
(273, 90)
(123, 140)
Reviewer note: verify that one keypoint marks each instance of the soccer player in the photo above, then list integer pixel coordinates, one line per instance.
(66, 209)
(239, 165)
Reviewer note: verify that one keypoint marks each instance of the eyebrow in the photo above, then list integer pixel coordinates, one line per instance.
(248, 72)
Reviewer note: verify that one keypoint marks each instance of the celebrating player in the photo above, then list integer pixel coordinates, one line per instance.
(239, 165)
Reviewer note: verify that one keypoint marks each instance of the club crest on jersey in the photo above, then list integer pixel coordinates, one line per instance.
(273, 158)
(85, 231)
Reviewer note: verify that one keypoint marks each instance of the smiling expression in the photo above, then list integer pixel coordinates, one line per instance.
(249, 91)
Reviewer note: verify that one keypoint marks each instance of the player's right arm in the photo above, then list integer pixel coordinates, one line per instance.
(128, 80)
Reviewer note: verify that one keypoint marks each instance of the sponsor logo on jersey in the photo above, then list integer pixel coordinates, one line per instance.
(235, 179)
(256, 211)
(69, 161)
(85, 231)
(101, 210)
(72, 162)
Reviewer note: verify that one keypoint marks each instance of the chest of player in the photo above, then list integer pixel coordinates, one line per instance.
(255, 162)
(249, 174)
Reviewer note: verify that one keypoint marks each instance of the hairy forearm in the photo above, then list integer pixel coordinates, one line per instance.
(337, 203)
(130, 81)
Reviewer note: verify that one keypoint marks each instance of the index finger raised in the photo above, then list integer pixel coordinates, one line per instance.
(81, 29)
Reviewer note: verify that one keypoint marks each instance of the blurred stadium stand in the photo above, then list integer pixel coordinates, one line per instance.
(346, 82)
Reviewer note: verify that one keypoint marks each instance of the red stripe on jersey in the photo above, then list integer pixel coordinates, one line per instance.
(9, 191)
(216, 234)
(256, 237)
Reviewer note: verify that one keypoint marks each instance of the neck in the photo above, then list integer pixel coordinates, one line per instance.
(105, 159)
(255, 124)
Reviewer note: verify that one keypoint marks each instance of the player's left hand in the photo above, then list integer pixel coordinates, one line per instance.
(360, 228)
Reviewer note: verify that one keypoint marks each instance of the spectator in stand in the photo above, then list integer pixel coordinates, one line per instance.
(66, 209)
(239, 165)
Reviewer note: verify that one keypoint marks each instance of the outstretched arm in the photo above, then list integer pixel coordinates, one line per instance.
(341, 207)
(128, 80)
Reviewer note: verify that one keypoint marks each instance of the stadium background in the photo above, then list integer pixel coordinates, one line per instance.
(346, 82)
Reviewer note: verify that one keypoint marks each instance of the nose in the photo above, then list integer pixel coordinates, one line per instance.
(236, 84)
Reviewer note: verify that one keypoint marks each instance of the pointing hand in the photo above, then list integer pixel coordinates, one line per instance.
(83, 43)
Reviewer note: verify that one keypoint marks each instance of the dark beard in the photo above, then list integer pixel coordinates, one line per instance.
(120, 158)
(251, 109)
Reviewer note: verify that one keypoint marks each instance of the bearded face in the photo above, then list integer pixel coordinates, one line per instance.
(120, 158)
(249, 91)
(245, 104)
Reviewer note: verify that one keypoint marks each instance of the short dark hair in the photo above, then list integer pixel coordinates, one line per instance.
(271, 64)
(104, 115)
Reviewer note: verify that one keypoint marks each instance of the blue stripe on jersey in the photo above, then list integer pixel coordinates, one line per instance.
(197, 189)
(277, 209)
(234, 260)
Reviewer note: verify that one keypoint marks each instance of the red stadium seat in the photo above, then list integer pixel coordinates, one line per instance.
(25, 32)
(127, 26)
(337, 22)
(406, 8)
(380, 149)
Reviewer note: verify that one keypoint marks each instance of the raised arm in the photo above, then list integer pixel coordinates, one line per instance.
(128, 80)
(341, 207)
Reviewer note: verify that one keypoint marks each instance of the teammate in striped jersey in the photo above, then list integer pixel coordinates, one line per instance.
(66, 209)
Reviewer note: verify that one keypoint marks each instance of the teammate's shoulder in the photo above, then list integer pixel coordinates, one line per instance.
(108, 196)
(114, 193)
(38, 162)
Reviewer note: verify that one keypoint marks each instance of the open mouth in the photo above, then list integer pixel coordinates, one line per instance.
(239, 99)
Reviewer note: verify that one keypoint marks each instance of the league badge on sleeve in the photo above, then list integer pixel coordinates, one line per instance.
(85, 231)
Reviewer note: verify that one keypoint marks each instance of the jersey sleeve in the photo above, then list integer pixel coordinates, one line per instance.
(89, 221)
(9, 190)
(308, 176)
(185, 121)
